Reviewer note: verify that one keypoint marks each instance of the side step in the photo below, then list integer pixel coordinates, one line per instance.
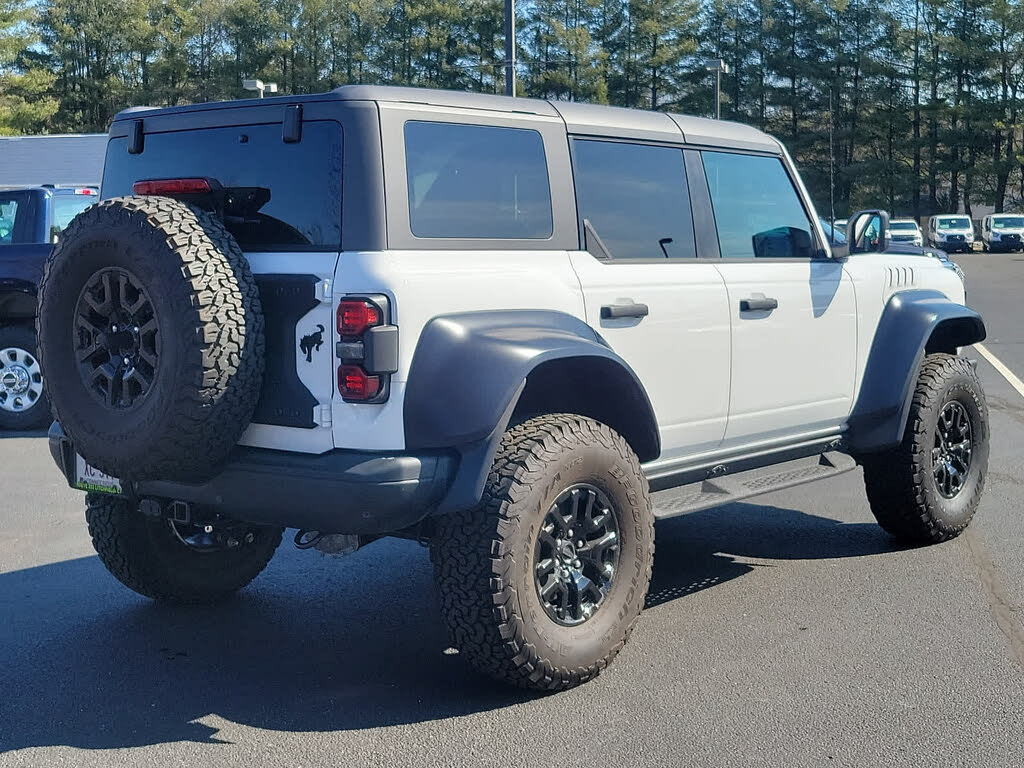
(717, 491)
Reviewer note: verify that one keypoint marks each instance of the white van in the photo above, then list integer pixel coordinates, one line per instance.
(1002, 232)
(951, 233)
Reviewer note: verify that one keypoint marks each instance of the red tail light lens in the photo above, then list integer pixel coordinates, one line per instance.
(355, 316)
(169, 187)
(356, 384)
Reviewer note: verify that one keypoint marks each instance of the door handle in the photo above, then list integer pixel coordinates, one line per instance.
(615, 311)
(753, 304)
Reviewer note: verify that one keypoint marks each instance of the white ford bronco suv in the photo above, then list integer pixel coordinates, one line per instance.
(518, 330)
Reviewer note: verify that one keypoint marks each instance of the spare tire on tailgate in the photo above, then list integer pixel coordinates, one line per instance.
(150, 338)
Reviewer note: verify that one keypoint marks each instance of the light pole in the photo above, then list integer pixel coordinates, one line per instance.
(259, 86)
(510, 47)
(718, 67)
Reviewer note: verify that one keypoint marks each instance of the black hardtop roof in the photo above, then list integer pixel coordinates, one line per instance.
(586, 119)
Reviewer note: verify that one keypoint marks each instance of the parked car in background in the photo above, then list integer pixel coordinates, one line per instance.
(1002, 232)
(31, 221)
(951, 233)
(905, 231)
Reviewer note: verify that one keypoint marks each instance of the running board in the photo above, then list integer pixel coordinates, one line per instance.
(717, 491)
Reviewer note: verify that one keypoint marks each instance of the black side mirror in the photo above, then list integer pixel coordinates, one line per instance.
(868, 231)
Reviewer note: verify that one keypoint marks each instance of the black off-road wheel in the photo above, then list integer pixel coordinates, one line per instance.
(176, 562)
(23, 403)
(542, 583)
(151, 338)
(927, 489)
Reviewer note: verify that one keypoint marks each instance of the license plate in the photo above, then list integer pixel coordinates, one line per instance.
(91, 479)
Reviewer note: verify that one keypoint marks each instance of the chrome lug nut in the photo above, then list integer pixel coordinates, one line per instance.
(207, 529)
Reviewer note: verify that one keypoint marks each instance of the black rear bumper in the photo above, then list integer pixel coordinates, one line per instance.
(341, 491)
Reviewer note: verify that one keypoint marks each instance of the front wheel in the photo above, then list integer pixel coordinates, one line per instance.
(176, 562)
(23, 403)
(927, 489)
(542, 583)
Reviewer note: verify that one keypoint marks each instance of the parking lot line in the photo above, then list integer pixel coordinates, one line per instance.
(1003, 370)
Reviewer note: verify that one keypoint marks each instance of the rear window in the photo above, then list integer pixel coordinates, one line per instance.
(477, 181)
(65, 208)
(8, 215)
(282, 196)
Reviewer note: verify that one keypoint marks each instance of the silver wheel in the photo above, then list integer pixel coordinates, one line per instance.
(21, 380)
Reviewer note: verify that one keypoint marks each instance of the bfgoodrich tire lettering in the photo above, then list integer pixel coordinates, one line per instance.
(906, 497)
(146, 555)
(201, 342)
(484, 557)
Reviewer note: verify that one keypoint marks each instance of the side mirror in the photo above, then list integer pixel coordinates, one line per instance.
(868, 231)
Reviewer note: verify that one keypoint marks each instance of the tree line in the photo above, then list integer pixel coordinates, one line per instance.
(913, 105)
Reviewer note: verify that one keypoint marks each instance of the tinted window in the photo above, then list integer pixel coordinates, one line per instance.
(1014, 222)
(280, 196)
(477, 181)
(635, 197)
(757, 210)
(65, 208)
(954, 223)
(8, 215)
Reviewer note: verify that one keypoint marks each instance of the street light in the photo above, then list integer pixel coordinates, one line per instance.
(510, 47)
(718, 67)
(259, 86)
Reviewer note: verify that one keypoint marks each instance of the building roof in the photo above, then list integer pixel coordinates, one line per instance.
(60, 159)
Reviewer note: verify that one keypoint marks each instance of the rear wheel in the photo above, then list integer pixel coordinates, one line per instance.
(542, 584)
(928, 488)
(23, 403)
(177, 562)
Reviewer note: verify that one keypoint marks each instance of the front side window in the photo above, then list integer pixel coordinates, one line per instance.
(635, 197)
(757, 210)
(477, 181)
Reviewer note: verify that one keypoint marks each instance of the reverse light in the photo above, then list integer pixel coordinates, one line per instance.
(171, 187)
(356, 384)
(356, 316)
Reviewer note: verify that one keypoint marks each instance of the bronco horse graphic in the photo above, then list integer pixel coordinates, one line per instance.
(312, 342)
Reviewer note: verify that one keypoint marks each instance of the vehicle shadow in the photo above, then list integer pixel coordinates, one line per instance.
(315, 644)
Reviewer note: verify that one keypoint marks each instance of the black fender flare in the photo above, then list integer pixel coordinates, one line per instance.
(913, 324)
(466, 377)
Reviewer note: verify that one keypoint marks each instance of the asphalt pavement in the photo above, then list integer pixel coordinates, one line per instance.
(786, 631)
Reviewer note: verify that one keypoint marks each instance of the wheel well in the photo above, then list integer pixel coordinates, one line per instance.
(595, 387)
(16, 305)
(953, 333)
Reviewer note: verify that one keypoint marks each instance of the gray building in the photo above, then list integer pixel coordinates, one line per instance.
(62, 159)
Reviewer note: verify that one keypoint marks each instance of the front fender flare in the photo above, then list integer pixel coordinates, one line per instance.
(910, 322)
(468, 372)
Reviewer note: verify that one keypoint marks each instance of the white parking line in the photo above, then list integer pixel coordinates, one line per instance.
(1006, 373)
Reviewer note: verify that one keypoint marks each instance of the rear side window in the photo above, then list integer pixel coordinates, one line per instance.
(635, 197)
(757, 210)
(8, 216)
(280, 196)
(477, 181)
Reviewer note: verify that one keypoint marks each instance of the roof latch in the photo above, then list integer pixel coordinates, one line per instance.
(291, 127)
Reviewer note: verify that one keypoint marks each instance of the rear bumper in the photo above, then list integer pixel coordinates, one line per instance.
(340, 491)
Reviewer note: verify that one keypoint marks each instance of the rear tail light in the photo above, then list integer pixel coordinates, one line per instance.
(364, 352)
(85, 191)
(356, 384)
(356, 316)
(171, 187)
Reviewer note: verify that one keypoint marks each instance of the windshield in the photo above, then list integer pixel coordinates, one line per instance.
(957, 223)
(1009, 222)
(65, 208)
(903, 226)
